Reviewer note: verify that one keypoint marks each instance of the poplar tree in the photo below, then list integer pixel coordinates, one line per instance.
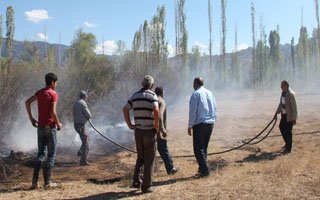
(0, 38)
(181, 32)
(235, 70)
(10, 31)
(210, 44)
(292, 53)
(253, 12)
(223, 41)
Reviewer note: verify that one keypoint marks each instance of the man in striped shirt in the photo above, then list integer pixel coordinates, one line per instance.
(146, 124)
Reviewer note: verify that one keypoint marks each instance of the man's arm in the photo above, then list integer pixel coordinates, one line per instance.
(161, 119)
(86, 111)
(55, 116)
(127, 118)
(156, 117)
(28, 107)
(192, 112)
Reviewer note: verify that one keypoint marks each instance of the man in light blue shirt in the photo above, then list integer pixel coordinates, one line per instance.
(202, 116)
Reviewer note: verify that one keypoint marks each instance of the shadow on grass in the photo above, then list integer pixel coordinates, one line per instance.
(18, 189)
(111, 195)
(257, 157)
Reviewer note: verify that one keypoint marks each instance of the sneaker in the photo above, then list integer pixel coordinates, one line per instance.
(50, 185)
(174, 170)
(148, 190)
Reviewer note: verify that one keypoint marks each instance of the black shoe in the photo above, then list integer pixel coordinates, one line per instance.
(174, 170)
(286, 151)
(202, 175)
(85, 163)
(135, 185)
(148, 190)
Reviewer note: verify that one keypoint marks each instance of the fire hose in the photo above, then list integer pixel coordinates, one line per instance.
(244, 142)
(113, 142)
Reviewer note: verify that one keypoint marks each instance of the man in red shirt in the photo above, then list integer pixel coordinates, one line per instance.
(47, 125)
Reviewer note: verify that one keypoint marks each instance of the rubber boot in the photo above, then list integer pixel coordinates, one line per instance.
(47, 177)
(35, 176)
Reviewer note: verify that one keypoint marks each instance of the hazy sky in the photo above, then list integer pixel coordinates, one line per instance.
(112, 20)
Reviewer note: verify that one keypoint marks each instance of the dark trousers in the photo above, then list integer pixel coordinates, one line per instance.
(201, 138)
(286, 131)
(165, 154)
(146, 151)
(47, 141)
(84, 149)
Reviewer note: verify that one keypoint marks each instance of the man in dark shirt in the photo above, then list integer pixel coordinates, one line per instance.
(47, 125)
(146, 124)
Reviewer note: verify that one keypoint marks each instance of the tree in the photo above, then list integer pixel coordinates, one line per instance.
(235, 70)
(10, 31)
(210, 45)
(274, 43)
(253, 12)
(181, 32)
(303, 54)
(195, 59)
(0, 38)
(223, 41)
(292, 53)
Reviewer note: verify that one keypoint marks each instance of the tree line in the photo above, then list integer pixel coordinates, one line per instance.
(110, 79)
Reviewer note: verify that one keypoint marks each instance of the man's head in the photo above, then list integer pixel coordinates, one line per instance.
(197, 82)
(284, 86)
(51, 80)
(159, 91)
(147, 82)
(83, 94)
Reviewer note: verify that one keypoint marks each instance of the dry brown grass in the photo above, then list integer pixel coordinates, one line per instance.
(253, 172)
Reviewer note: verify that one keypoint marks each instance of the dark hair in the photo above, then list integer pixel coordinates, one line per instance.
(50, 77)
(198, 81)
(285, 82)
(159, 91)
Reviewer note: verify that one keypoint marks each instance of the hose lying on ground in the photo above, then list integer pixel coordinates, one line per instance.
(105, 137)
(245, 142)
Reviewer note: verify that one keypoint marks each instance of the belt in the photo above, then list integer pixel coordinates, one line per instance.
(46, 126)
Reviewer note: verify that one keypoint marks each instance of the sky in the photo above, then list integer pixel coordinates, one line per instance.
(56, 21)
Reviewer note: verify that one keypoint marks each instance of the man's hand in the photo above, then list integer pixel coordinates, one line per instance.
(34, 122)
(164, 134)
(132, 127)
(59, 126)
(190, 131)
(275, 116)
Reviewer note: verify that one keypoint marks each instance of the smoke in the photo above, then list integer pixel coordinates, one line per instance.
(22, 136)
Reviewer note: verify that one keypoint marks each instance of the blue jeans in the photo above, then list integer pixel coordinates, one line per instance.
(201, 137)
(164, 153)
(47, 141)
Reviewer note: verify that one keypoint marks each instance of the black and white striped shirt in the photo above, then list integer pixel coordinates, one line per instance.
(143, 102)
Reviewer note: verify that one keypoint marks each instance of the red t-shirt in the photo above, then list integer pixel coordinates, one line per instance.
(46, 97)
